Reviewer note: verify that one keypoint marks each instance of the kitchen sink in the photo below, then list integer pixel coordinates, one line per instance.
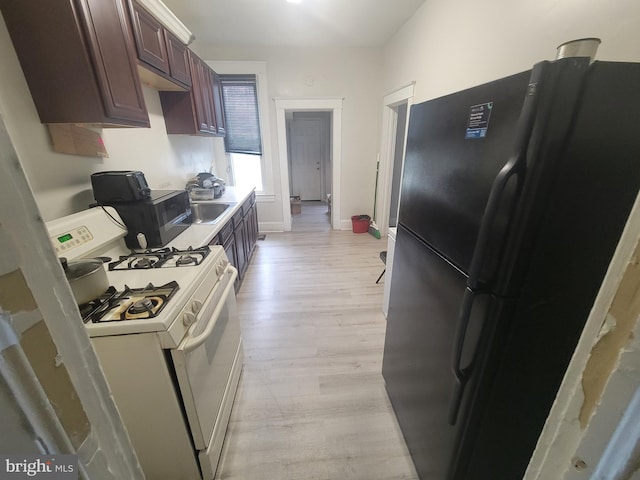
(208, 212)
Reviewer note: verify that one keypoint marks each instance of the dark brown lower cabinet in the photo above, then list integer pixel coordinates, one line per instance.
(241, 244)
(239, 236)
(232, 255)
(250, 224)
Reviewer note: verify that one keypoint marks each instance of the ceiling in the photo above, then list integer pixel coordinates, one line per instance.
(311, 23)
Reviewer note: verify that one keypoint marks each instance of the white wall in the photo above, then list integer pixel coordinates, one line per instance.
(61, 182)
(296, 73)
(449, 45)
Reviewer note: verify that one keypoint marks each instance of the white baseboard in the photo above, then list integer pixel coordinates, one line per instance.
(264, 227)
(346, 224)
(279, 226)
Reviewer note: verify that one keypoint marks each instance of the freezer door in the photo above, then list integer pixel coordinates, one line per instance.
(426, 295)
(456, 145)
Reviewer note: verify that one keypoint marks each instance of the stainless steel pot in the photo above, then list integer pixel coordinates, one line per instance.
(87, 278)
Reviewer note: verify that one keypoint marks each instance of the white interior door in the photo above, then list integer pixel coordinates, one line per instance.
(307, 146)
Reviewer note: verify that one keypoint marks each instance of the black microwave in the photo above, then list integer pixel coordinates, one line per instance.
(155, 221)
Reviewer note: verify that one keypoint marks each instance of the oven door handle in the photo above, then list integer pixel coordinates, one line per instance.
(194, 342)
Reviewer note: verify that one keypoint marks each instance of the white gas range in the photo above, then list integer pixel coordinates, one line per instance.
(168, 338)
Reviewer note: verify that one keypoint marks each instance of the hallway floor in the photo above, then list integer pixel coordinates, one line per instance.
(315, 218)
(311, 403)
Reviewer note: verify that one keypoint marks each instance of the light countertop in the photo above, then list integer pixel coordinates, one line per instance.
(200, 234)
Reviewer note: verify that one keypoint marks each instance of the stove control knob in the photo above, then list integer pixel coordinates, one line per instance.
(188, 318)
(196, 305)
(220, 268)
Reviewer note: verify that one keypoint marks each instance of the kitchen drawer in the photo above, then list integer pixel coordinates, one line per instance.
(246, 206)
(225, 233)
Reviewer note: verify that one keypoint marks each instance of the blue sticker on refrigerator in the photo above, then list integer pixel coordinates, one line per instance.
(478, 123)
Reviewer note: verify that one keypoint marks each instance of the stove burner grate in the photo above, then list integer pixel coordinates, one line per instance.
(96, 308)
(161, 258)
(129, 304)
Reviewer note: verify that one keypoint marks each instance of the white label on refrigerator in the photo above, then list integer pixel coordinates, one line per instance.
(478, 120)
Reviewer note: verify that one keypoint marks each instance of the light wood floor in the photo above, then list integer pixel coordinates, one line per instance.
(311, 404)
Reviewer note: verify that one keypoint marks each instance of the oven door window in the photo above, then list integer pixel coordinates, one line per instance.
(203, 372)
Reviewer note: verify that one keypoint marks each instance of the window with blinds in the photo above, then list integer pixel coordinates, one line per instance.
(241, 114)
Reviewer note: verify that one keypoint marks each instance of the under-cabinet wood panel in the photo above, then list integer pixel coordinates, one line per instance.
(195, 112)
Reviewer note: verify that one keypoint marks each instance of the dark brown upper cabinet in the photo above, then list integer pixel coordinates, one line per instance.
(218, 104)
(195, 112)
(77, 57)
(178, 59)
(203, 90)
(163, 57)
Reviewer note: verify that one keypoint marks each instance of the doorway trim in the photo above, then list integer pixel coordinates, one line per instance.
(333, 105)
(387, 149)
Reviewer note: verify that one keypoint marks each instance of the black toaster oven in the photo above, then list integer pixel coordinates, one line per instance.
(119, 186)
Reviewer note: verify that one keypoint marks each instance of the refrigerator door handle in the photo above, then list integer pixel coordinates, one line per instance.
(470, 323)
(515, 166)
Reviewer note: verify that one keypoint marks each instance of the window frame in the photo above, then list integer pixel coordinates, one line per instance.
(259, 69)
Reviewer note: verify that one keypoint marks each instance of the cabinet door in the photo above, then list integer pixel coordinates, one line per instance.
(198, 92)
(178, 59)
(110, 41)
(77, 57)
(207, 95)
(247, 235)
(232, 255)
(241, 243)
(150, 40)
(218, 105)
(254, 225)
(250, 227)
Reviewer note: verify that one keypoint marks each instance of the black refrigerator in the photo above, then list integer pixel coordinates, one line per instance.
(514, 196)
